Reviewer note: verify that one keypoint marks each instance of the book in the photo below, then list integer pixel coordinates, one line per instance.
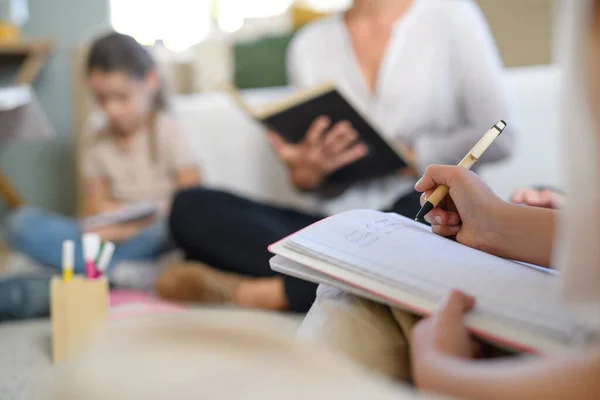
(13, 97)
(292, 117)
(396, 261)
(21, 115)
(129, 213)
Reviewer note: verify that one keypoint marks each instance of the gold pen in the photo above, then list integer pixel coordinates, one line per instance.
(470, 159)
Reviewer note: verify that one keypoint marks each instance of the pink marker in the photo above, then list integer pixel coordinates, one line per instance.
(91, 247)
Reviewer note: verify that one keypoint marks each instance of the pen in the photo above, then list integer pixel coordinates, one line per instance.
(91, 246)
(470, 159)
(68, 259)
(108, 248)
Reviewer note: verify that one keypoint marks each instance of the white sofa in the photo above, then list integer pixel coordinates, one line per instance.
(234, 155)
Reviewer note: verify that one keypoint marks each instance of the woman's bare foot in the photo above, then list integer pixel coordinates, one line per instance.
(197, 282)
(263, 293)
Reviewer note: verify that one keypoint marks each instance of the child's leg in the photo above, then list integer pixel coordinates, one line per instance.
(134, 263)
(39, 234)
(363, 330)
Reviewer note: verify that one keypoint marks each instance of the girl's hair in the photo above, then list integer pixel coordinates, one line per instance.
(116, 52)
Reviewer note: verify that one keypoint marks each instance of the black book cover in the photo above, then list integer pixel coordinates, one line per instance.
(292, 118)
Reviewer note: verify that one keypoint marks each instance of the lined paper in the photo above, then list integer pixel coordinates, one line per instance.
(405, 254)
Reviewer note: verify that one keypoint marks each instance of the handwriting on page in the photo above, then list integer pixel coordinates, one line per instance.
(372, 232)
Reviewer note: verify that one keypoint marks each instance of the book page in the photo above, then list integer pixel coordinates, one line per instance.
(400, 252)
(125, 214)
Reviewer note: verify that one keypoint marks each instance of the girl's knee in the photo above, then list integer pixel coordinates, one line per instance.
(21, 221)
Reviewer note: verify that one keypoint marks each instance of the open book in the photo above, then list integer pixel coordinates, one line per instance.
(128, 213)
(292, 117)
(396, 261)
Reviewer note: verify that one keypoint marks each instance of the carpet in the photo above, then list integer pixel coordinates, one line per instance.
(24, 358)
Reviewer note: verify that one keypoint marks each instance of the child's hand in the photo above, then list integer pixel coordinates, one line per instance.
(119, 233)
(107, 233)
(442, 335)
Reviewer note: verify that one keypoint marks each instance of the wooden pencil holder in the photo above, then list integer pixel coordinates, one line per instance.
(78, 310)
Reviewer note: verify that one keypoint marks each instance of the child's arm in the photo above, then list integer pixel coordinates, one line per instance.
(441, 352)
(97, 197)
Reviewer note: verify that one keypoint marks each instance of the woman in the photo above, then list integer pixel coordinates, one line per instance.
(442, 353)
(140, 155)
(426, 71)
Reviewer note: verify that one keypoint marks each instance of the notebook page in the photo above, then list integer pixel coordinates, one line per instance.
(402, 253)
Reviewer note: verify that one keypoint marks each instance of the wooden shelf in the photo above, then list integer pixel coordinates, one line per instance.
(34, 55)
(24, 49)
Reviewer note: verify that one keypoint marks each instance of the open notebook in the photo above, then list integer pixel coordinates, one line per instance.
(397, 261)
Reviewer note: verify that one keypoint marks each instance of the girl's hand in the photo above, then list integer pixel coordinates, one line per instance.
(440, 336)
(324, 150)
(119, 233)
(108, 233)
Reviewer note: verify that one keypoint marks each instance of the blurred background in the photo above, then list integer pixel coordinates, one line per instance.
(201, 45)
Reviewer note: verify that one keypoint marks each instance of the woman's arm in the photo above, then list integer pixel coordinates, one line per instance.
(187, 177)
(181, 160)
(478, 70)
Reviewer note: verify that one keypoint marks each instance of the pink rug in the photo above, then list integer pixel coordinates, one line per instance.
(130, 304)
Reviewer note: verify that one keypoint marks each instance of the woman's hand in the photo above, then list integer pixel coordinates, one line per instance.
(471, 210)
(410, 157)
(441, 336)
(323, 150)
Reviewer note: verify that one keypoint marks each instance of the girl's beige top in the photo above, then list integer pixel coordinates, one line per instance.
(146, 170)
